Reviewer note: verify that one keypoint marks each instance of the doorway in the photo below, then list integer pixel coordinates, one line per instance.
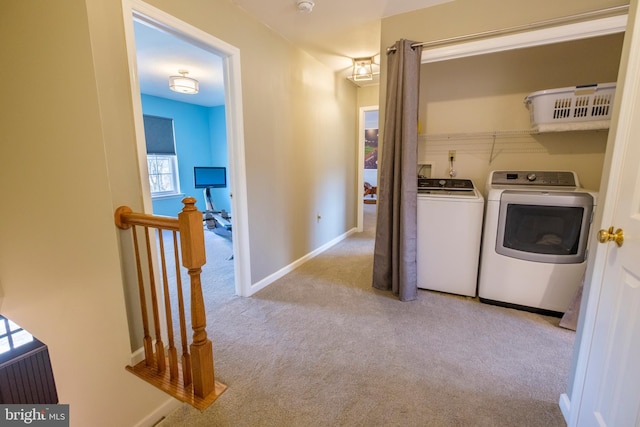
(215, 51)
(367, 160)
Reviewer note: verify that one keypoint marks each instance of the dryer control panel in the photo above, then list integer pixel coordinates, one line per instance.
(546, 178)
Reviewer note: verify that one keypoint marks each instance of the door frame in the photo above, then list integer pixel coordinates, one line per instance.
(361, 141)
(234, 122)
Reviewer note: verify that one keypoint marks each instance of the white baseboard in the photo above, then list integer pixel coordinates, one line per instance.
(137, 356)
(565, 407)
(155, 417)
(297, 263)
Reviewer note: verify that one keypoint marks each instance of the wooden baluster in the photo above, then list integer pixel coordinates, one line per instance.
(186, 357)
(160, 362)
(173, 354)
(147, 342)
(193, 258)
(199, 387)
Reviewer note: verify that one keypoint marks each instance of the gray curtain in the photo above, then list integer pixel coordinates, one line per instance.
(394, 262)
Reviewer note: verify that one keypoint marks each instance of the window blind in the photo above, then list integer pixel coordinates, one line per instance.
(158, 132)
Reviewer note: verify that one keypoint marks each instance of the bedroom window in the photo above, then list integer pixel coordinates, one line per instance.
(162, 162)
(163, 174)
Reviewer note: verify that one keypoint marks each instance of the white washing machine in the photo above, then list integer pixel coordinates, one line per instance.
(449, 232)
(535, 239)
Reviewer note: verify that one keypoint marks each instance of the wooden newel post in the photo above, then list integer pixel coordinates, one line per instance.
(193, 258)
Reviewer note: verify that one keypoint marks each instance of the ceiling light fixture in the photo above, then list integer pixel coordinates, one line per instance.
(362, 69)
(305, 6)
(183, 84)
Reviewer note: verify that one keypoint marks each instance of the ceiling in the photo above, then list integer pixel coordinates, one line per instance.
(334, 32)
(160, 55)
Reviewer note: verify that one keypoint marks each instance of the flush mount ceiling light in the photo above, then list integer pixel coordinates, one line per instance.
(305, 6)
(362, 69)
(183, 84)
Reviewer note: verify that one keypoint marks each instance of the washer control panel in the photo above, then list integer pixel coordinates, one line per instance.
(444, 184)
(547, 178)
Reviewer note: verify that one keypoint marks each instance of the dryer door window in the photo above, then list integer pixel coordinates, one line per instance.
(549, 227)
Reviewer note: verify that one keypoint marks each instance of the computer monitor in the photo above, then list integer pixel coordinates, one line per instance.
(210, 177)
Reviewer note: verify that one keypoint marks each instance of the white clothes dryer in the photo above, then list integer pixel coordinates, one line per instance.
(449, 232)
(535, 239)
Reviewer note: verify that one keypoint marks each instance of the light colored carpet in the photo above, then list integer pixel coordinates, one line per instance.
(321, 347)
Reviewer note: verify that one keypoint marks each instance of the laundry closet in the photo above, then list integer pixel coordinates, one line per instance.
(476, 116)
(474, 108)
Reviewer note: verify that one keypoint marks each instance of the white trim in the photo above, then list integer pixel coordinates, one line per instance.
(236, 153)
(156, 416)
(289, 268)
(137, 356)
(360, 167)
(233, 108)
(581, 30)
(168, 196)
(565, 406)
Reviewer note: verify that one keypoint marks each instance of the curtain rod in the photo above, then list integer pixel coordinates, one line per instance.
(616, 10)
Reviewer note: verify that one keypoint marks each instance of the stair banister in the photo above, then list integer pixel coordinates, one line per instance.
(198, 386)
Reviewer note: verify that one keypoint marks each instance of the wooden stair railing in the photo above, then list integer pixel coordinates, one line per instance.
(192, 379)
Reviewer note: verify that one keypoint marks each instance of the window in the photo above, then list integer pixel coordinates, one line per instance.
(12, 336)
(162, 162)
(163, 174)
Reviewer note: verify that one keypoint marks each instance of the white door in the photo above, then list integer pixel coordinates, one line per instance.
(611, 392)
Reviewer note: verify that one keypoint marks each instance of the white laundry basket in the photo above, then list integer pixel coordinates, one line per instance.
(571, 108)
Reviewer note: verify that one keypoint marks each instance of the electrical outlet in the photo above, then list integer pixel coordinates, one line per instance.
(452, 155)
